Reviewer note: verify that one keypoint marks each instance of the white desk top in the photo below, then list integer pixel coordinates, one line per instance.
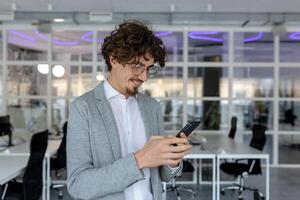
(14, 159)
(221, 144)
(11, 167)
(198, 153)
(23, 149)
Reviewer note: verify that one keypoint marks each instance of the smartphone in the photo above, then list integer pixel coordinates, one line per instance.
(189, 128)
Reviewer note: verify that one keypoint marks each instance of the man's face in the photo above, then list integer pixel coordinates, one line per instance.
(129, 77)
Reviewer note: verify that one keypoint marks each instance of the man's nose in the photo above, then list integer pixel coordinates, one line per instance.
(144, 75)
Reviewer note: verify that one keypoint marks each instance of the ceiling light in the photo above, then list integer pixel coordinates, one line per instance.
(88, 37)
(43, 68)
(58, 20)
(163, 33)
(58, 71)
(100, 77)
(22, 35)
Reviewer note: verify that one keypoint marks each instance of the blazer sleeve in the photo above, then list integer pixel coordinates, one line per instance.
(166, 172)
(84, 180)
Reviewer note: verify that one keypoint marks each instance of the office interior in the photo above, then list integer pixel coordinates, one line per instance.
(225, 60)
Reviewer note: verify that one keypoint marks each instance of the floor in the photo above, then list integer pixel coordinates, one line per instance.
(285, 184)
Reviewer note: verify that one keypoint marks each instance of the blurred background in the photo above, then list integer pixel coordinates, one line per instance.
(225, 58)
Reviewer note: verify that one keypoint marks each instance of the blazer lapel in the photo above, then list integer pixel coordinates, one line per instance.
(109, 121)
(147, 116)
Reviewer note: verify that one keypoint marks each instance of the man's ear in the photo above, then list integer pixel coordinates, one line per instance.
(113, 61)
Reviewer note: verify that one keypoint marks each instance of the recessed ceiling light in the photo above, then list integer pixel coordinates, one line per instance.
(100, 77)
(58, 71)
(58, 20)
(43, 68)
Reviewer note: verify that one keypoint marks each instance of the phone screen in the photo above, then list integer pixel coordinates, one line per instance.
(189, 128)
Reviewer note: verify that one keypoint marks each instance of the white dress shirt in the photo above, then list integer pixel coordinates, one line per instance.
(132, 137)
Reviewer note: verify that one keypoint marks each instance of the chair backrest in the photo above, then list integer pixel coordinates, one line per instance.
(33, 176)
(61, 152)
(232, 130)
(258, 141)
(4, 119)
(6, 128)
(187, 166)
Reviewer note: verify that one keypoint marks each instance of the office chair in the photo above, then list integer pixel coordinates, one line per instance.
(33, 176)
(6, 128)
(187, 167)
(252, 167)
(59, 162)
(32, 181)
(232, 130)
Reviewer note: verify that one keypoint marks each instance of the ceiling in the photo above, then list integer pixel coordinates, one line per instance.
(262, 6)
(157, 11)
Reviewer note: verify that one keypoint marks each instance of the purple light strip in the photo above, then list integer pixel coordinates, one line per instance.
(163, 33)
(23, 36)
(192, 35)
(258, 36)
(204, 33)
(59, 42)
(294, 36)
(65, 43)
(86, 37)
(201, 36)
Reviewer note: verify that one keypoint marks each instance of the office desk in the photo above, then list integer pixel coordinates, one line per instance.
(198, 153)
(11, 167)
(23, 150)
(226, 148)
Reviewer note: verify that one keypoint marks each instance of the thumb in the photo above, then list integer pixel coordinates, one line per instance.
(155, 137)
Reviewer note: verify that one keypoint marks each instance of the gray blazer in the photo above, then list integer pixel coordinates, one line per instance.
(95, 167)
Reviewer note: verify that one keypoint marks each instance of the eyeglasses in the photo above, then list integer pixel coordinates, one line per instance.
(139, 68)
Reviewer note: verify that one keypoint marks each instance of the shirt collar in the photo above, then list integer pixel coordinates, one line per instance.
(110, 92)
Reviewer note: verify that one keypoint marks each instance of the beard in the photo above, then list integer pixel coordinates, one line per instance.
(132, 92)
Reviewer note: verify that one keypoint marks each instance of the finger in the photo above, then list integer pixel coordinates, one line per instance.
(175, 140)
(174, 155)
(174, 149)
(182, 135)
(173, 162)
(155, 137)
(179, 148)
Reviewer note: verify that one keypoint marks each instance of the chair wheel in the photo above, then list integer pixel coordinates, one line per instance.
(222, 192)
(258, 196)
(241, 198)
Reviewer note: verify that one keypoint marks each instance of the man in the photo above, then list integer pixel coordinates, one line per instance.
(115, 146)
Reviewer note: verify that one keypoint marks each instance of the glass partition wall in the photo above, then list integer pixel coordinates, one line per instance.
(211, 74)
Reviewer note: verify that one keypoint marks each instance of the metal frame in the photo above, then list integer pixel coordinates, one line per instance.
(242, 156)
(230, 64)
(199, 157)
(51, 150)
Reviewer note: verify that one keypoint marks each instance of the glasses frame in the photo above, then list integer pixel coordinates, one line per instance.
(152, 71)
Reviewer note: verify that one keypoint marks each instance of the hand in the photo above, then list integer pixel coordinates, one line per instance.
(159, 151)
(182, 135)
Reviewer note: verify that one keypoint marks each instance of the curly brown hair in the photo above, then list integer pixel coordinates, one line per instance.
(131, 40)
